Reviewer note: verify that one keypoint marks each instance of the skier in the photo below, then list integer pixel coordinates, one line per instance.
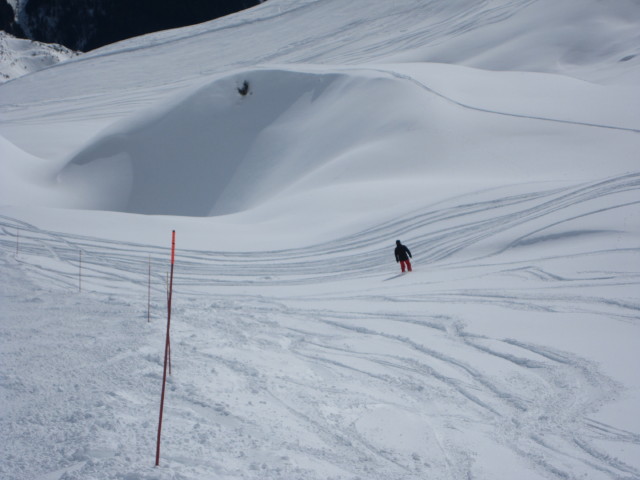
(402, 255)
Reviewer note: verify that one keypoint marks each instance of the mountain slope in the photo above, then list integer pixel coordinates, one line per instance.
(288, 147)
(19, 57)
(144, 70)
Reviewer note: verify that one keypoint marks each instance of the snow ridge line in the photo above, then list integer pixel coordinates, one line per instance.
(496, 112)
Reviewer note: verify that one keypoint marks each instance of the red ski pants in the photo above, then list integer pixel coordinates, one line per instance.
(405, 264)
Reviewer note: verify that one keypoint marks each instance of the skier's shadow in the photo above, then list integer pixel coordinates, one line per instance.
(395, 276)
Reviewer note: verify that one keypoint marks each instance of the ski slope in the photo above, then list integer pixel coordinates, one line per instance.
(498, 140)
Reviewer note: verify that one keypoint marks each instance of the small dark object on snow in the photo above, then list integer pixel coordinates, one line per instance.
(244, 89)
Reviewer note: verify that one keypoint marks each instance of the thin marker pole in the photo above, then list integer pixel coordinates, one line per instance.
(169, 340)
(166, 347)
(169, 348)
(149, 294)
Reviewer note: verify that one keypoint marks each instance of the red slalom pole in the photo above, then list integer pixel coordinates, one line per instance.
(169, 348)
(149, 294)
(166, 346)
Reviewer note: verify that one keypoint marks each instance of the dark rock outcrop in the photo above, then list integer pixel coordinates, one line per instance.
(7, 20)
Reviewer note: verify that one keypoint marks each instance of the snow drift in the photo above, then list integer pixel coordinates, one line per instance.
(215, 151)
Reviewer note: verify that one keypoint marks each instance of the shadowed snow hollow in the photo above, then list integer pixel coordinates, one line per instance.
(217, 151)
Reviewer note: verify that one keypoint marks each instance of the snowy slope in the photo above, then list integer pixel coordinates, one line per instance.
(19, 57)
(515, 35)
(499, 140)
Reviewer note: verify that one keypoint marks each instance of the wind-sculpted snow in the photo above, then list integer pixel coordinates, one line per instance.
(320, 362)
(213, 151)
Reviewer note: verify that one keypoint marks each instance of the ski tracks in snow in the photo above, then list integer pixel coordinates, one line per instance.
(304, 363)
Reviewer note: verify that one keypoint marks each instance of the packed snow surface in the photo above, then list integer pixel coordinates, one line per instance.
(289, 146)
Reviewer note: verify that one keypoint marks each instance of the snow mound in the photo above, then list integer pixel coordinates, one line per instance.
(218, 150)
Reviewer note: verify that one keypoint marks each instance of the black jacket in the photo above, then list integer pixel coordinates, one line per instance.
(402, 253)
